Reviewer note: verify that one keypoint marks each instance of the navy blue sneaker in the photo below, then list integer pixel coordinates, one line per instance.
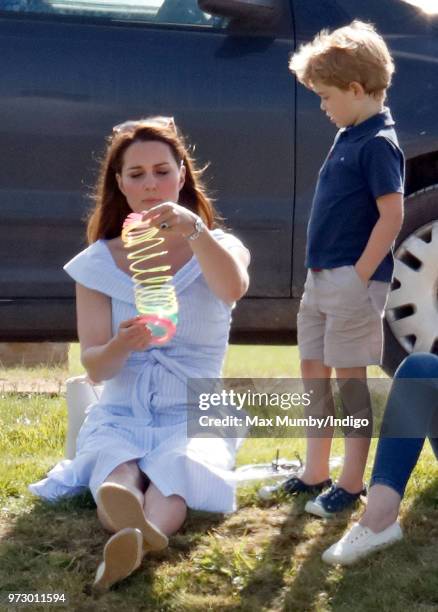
(295, 485)
(335, 500)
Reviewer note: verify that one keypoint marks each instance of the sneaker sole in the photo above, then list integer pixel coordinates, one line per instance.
(123, 509)
(317, 510)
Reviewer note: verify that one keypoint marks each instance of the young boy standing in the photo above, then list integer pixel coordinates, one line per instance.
(357, 212)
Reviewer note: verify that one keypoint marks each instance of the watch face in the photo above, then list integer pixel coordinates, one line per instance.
(198, 228)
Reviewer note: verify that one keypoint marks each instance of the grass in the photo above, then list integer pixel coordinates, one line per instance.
(240, 362)
(266, 556)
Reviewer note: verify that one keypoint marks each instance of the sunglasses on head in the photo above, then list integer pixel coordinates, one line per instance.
(159, 121)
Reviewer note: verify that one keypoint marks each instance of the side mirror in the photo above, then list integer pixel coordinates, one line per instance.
(238, 9)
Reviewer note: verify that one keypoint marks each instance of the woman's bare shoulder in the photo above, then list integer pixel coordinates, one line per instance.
(115, 244)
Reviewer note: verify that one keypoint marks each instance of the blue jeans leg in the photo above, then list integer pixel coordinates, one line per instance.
(408, 404)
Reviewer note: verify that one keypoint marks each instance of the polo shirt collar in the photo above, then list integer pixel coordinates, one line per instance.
(376, 122)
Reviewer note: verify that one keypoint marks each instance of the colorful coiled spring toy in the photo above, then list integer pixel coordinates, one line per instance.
(155, 297)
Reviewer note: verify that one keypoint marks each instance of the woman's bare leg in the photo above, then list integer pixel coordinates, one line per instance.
(166, 513)
(382, 508)
(130, 476)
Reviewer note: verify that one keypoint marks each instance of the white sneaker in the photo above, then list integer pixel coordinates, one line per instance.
(359, 542)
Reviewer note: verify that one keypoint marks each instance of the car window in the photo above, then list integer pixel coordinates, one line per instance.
(154, 11)
(389, 16)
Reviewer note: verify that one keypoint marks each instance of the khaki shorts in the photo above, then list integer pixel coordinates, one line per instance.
(340, 321)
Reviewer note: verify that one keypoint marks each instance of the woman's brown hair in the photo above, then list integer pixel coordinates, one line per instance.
(111, 208)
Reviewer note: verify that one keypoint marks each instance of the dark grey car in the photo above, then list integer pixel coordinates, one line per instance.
(71, 69)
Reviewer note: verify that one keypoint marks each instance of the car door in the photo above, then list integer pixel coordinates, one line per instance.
(71, 70)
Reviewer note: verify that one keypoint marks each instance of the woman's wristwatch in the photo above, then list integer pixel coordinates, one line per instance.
(199, 227)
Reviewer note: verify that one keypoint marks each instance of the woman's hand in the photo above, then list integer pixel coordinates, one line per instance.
(133, 335)
(224, 270)
(102, 354)
(171, 218)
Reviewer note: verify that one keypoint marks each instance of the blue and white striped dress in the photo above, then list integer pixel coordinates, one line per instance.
(141, 413)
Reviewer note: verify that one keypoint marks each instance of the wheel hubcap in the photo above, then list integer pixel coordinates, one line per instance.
(412, 306)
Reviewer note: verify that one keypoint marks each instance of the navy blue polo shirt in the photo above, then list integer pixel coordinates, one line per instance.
(364, 163)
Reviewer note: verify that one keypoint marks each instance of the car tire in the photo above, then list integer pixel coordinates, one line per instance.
(411, 314)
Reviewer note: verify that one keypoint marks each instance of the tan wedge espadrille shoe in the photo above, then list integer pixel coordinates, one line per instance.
(122, 509)
(122, 555)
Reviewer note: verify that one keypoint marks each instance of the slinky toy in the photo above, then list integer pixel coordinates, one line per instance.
(155, 297)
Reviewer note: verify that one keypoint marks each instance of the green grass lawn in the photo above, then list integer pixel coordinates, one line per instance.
(266, 556)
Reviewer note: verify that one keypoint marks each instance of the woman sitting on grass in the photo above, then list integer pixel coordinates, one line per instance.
(411, 415)
(133, 452)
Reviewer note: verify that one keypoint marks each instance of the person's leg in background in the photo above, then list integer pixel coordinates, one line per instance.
(396, 457)
(412, 409)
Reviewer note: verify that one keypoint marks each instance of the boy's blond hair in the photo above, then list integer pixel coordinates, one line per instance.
(353, 53)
